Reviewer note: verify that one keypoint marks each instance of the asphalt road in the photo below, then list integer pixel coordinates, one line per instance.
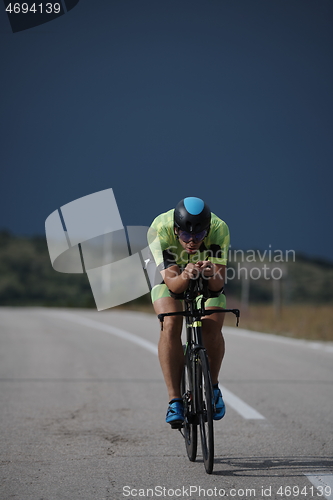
(83, 402)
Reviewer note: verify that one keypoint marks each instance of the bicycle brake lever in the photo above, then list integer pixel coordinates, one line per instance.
(161, 318)
(237, 314)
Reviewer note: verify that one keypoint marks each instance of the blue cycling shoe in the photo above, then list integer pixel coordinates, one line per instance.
(175, 413)
(219, 404)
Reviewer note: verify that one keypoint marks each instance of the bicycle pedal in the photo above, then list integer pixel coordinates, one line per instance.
(178, 424)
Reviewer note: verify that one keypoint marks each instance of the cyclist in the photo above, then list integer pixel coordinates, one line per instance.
(190, 240)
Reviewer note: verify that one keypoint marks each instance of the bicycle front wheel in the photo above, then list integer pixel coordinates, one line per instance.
(190, 424)
(205, 410)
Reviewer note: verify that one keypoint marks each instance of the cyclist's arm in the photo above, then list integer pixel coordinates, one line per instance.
(176, 280)
(216, 274)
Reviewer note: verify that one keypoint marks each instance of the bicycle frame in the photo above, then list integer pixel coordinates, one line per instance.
(198, 398)
(193, 315)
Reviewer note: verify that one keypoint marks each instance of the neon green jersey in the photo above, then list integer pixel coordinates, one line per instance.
(167, 251)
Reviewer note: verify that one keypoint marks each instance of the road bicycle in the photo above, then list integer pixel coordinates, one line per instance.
(196, 385)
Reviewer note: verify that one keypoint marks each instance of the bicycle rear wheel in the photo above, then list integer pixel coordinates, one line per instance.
(190, 425)
(205, 409)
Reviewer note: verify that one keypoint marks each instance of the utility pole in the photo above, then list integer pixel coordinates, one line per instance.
(280, 271)
(245, 290)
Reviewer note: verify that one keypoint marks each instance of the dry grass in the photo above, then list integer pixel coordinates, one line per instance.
(304, 321)
(298, 321)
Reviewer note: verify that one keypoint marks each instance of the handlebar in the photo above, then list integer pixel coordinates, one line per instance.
(198, 286)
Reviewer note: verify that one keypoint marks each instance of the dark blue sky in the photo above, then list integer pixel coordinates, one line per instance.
(230, 101)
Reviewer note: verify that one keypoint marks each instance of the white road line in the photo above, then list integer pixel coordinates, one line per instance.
(241, 332)
(108, 329)
(324, 484)
(245, 410)
(234, 401)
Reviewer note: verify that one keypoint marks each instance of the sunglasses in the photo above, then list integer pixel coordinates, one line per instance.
(187, 237)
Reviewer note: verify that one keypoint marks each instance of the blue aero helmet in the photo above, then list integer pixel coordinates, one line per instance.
(192, 215)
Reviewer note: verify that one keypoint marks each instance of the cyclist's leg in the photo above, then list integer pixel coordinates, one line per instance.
(214, 342)
(170, 351)
(212, 336)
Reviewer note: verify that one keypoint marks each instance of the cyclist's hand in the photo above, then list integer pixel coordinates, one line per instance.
(191, 271)
(206, 268)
